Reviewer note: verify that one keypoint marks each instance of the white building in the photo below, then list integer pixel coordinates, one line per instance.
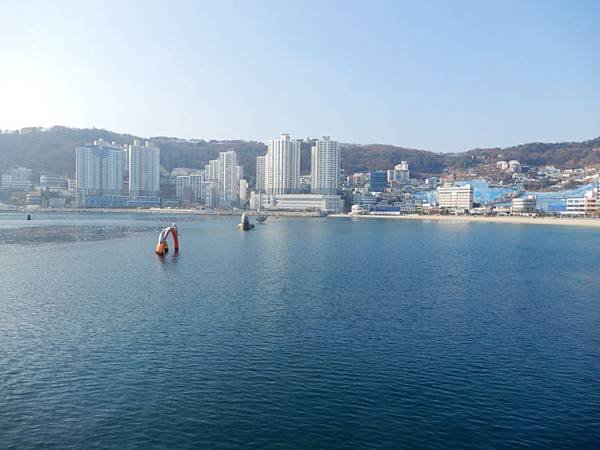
(576, 206)
(50, 182)
(210, 194)
(282, 165)
(502, 165)
(586, 205)
(228, 178)
(243, 191)
(400, 174)
(259, 200)
(98, 173)
(17, 178)
(189, 187)
(304, 202)
(261, 175)
(211, 170)
(225, 174)
(524, 204)
(144, 169)
(455, 197)
(325, 167)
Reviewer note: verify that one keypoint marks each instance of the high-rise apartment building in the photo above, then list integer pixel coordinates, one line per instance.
(261, 175)
(229, 182)
(99, 174)
(144, 170)
(325, 167)
(282, 165)
(243, 191)
(225, 174)
(189, 187)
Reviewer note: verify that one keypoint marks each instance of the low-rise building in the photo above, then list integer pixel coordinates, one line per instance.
(455, 197)
(16, 178)
(524, 204)
(586, 205)
(305, 202)
(258, 200)
(575, 206)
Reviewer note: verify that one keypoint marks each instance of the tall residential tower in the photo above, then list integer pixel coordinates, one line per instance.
(325, 167)
(282, 165)
(144, 170)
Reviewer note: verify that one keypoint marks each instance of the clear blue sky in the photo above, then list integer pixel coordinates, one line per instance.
(443, 76)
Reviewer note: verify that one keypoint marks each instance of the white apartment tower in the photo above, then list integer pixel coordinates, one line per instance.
(144, 170)
(261, 176)
(98, 170)
(282, 166)
(228, 178)
(325, 167)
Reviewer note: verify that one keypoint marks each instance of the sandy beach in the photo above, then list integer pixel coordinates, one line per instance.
(520, 220)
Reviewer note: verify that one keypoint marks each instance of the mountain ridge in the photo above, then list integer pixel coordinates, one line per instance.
(52, 151)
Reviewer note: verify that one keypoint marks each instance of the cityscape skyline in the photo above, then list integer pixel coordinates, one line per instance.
(488, 76)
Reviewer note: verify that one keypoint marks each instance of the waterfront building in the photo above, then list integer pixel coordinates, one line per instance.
(590, 202)
(575, 206)
(325, 167)
(378, 181)
(210, 194)
(196, 180)
(189, 187)
(502, 165)
(309, 202)
(282, 165)
(53, 183)
(395, 209)
(144, 170)
(99, 175)
(258, 200)
(524, 204)
(225, 174)
(243, 191)
(261, 176)
(228, 178)
(455, 197)
(17, 178)
(586, 205)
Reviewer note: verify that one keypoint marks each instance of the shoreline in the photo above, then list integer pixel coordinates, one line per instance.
(513, 220)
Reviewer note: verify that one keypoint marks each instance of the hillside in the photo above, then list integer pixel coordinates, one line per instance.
(53, 152)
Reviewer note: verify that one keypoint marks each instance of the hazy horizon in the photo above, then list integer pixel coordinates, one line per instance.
(437, 77)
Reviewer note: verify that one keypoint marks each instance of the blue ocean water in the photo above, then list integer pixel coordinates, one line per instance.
(303, 333)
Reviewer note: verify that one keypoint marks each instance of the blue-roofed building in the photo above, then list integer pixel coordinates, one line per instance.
(378, 181)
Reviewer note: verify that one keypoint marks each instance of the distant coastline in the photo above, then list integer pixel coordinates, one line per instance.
(518, 220)
(515, 220)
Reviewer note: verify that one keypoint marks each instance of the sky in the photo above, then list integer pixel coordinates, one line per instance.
(436, 75)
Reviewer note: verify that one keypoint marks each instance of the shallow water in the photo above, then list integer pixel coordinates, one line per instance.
(320, 333)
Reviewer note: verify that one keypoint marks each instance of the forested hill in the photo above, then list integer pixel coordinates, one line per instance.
(52, 151)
